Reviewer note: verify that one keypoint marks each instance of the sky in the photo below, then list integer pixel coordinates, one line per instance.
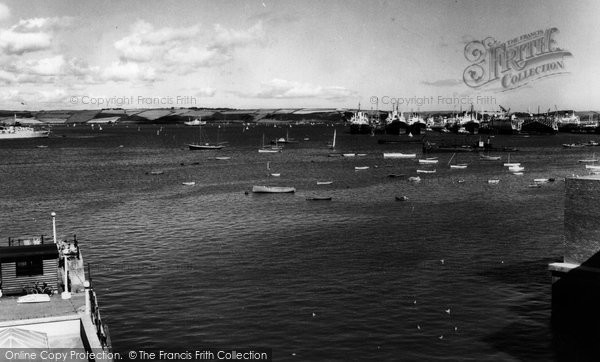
(416, 55)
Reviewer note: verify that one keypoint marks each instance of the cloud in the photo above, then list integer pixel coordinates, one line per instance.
(284, 89)
(443, 82)
(227, 39)
(51, 96)
(206, 92)
(12, 42)
(47, 70)
(31, 35)
(4, 12)
(129, 71)
(42, 24)
(181, 49)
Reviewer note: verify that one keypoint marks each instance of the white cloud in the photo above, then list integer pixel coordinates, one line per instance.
(181, 49)
(51, 96)
(42, 24)
(280, 88)
(129, 71)
(230, 38)
(31, 35)
(45, 67)
(12, 42)
(206, 92)
(4, 12)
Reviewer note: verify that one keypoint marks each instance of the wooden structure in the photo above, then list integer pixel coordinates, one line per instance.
(25, 264)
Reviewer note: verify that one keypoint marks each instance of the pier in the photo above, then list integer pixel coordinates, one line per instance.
(576, 280)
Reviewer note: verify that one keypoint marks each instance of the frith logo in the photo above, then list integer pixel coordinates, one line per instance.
(516, 62)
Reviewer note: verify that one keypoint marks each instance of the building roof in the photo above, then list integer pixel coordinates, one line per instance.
(9, 254)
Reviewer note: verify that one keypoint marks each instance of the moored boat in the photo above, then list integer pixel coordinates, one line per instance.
(428, 161)
(273, 189)
(319, 198)
(399, 155)
(17, 132)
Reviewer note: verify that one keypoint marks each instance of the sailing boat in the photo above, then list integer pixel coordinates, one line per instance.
(282, 140)
(511, 164)
(332, 146)
(589, 160)
(268, 149)
(269, 169)
(204, 143)
(456, 166)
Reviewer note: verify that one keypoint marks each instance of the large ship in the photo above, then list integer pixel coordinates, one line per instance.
(360, 123)
(48, 303)
(568, 122)
(540, 123)
(395, 123)
(17, 129)
(16, 132)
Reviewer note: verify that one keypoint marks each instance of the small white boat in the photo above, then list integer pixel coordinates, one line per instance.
(511, 164)
(456, 166)
(348, 154)
(361, 154)
(156, 172)
(268, 150)
(593, 167)
(542, 180)
(189, 183)
(518, 173)
(428, 161)
(426, 171)
(493, 181)
(222, 158)
(534, 185)
(273, 189)
(275, 174)
(414, 179)
(324, 182)
(516, 168)
(358, 168)
(588, 160)
(399, 155)
(195, 122)
(489, 158)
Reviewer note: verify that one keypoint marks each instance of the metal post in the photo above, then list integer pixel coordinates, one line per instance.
(88, 307)
(53, 214)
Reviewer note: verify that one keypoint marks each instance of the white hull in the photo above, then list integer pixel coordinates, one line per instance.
(399, 155)
(8, 134)
(273, 189)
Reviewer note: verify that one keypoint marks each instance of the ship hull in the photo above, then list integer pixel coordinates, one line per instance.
(14, 136)
(360, 128)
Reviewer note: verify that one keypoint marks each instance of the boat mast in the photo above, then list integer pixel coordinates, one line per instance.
(334, 134)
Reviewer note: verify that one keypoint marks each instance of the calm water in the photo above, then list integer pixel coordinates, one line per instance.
(456, 272)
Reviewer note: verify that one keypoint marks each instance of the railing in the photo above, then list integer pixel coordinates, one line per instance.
(97, 320)
(28, 241)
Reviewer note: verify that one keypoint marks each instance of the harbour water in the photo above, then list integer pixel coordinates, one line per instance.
(458, 271)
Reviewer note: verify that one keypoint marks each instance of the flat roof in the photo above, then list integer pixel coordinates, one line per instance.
(10, 254)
